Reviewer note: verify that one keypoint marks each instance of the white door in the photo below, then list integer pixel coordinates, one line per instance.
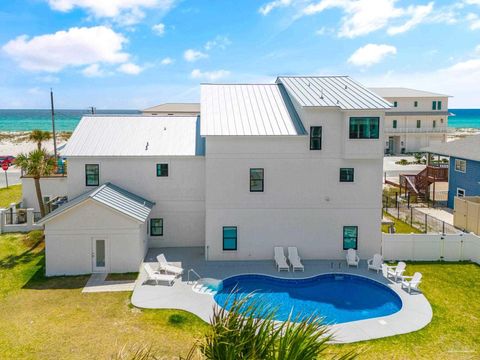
(99, 255)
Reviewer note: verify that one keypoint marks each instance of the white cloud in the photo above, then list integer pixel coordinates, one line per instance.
(49, 79)
(220, 41)
(192, 55)
(166, 61)
(418, 15)
(125, 12)
(474, 21)
(210, 75)
(93, 71)
(268, 7)
(130, 69)
(371, 54)
(74, 47)
(159, 29)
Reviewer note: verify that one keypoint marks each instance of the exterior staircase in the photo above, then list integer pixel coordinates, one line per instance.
(419, 184)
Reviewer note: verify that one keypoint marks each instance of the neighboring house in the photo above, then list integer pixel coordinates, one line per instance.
(295, 163)
(173, 109)
(416, 120)
(464, 164)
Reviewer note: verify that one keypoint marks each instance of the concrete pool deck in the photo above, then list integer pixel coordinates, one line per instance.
(415, 314)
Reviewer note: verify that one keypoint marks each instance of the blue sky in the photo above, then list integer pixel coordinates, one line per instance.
(137, 53)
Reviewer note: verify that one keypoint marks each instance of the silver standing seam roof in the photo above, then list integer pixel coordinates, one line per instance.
(248, 109)
(332, 91)
(401, 92)
(466, 148)
(112, 196)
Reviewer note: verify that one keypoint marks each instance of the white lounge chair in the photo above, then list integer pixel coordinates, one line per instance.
(375, 263)
(157, 276)
(352, 258)
(280, 259)
(396, 271)
(294, 259)
(413, 283)
(163, 265)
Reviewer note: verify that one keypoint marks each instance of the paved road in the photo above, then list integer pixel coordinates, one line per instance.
(13, 177)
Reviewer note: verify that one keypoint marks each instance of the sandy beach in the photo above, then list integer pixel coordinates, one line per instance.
(14, 143)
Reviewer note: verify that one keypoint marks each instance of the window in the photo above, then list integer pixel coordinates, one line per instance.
(460, 165)
(229, 238)
(92, 173)
(350, 237)
(415, 103)
(156, 227)
(394, 124)
(395, 104)
(315, 138)
(346, 174)
(434, 105)
(434, 124)
(256, 180)
(439, 105)
(364, 127)
(162, 170)
(419, 124)
(460, 192)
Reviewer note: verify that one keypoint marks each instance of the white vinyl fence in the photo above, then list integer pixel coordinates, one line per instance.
(431, 247)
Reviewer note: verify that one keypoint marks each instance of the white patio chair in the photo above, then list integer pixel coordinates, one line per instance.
(396, 271)
(352, 258)
(280, 259)
(163, 265)
(294, 259)
(413, 283)
(157, 276)
(375, 263)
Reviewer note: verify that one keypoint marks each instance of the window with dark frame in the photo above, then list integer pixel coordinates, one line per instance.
(350, 237)
(92, 174)
(229, 238)
(415, 104)
(395, 104)
(257, 180)
(434, 105)
(394, 124)
(419, 124)
(315, 138)
(346, 174)
(156, 227)
(162, 170)
(364, 127)
(439, 105)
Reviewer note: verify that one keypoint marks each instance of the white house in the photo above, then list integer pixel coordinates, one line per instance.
(416, 120)
(296, 163)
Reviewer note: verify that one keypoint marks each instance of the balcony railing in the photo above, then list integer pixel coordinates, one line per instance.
(423, 130)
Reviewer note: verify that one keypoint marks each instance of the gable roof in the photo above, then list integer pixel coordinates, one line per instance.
(112, 196)
(332, 91)
(466, 148)
(399, 92)
(136, 136)
(174, 108)
(248, 109)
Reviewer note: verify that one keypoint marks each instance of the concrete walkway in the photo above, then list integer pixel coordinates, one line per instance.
(443, 214)
(414, 315)
(98, 283)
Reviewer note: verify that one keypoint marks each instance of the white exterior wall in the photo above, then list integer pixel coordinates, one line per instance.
(179, 198)
(69, 236)
(304, 203)
(50, 186)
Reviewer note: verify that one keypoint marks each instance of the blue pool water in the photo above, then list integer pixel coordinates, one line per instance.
(338, 298)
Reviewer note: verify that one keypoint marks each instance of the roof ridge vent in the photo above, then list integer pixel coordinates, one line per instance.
(321, 93)
(345, 87)
(146, 146)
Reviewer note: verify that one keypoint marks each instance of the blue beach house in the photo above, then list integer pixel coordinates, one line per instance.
(464, 166)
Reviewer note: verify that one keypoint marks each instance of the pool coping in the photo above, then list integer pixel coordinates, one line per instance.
(415, 313)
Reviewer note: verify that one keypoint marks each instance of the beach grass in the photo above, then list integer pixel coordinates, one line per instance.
(45, 318)
(12, 194)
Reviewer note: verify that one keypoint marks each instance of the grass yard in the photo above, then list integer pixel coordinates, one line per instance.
(43, 318)
(11, 195)
(401, 227)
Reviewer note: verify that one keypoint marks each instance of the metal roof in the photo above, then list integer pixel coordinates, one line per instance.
(418, 113)
(248, 109)
(136, 136)
(332, 91)
(112, 196)
(399, 92)
(466, 148)
(175, 108)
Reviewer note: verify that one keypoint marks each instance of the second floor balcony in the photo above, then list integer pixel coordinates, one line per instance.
(420, 130)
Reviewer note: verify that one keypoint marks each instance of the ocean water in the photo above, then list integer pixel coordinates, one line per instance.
(67, 120)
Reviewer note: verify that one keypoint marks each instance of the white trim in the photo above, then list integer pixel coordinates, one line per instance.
(455, 166)
(463, 190)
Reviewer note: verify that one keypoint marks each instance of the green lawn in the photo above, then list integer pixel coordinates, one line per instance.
(44, 318)
(11, 195)
(401, 227)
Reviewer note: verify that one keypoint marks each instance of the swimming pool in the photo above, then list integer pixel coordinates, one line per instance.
(339, 298)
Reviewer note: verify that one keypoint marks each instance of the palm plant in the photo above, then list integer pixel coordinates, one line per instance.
(39, 137)
(37, 164)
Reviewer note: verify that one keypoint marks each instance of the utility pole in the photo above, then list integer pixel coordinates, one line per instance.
(53, 125)
(93, 110)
